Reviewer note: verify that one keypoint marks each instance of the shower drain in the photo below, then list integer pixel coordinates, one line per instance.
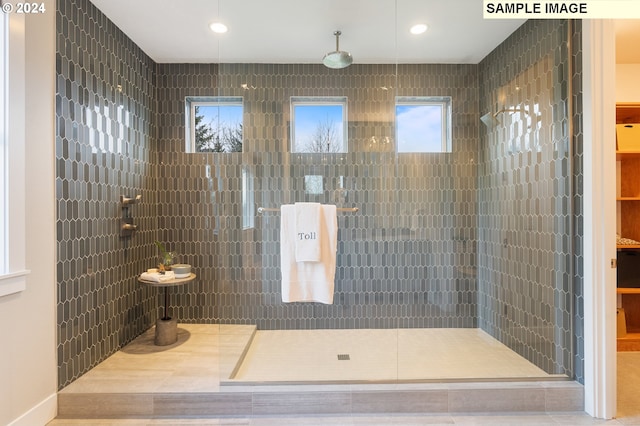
(343, 357)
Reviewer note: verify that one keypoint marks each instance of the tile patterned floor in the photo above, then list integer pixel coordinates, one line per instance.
(187, 365)
(195, 363)
(206, 354)
(310, 356)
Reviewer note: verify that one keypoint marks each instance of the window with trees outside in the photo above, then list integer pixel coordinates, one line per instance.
(423, 124)
(318, 124)
(214, 124)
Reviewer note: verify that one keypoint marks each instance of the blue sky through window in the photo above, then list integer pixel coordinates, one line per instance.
(419, 128)
(309, 118)
(221, 115)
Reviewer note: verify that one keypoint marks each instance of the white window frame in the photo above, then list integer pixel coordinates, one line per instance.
(12, 146)
(445, 103)
(191, 102)
(319, 101)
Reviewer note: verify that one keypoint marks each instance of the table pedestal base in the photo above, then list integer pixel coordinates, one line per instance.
(166, 331)
(167, 328)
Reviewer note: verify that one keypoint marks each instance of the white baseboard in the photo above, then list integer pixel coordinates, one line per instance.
(39, 415)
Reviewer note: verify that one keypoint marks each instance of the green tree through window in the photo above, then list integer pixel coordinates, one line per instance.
(214, 124)
(206, 138)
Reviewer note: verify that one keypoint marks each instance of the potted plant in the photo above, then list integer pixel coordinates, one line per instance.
(167, 258)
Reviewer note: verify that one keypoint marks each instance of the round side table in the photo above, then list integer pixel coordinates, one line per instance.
(167, 327)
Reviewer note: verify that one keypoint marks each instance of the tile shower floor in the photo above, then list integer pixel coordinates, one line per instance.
(203, 354)
(206, 355)
(235, 370)
(339, 356)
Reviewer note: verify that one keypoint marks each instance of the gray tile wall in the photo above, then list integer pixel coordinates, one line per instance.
(408, 258)
(526, 281)
(104, 114)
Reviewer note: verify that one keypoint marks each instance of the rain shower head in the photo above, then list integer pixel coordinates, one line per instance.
(337, 59)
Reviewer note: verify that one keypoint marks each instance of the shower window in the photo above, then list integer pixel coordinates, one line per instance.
(214, 124)
(12, 155)
(318, 124)
(423, 124)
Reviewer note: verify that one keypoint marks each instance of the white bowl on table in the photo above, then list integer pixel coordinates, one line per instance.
(181, 270)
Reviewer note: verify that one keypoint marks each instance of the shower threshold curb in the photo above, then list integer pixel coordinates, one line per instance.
(326, 399)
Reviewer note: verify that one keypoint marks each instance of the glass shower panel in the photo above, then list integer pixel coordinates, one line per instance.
(525, 210)
(436, 235)
(362, 175)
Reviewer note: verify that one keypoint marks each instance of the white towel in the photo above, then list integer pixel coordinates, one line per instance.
(157, 277)
(307, 234)
(308, 281)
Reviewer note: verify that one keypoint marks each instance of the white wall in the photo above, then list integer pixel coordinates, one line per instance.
(28, 372)
(628, 83)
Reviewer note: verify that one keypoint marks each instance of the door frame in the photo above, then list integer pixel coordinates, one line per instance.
(599, 173)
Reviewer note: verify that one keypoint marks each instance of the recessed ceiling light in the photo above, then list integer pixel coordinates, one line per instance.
(218, 27)
(418, 29)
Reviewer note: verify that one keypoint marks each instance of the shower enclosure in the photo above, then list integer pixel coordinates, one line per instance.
(474, 234)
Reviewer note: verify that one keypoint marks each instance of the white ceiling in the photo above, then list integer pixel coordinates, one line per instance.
(301, 31)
